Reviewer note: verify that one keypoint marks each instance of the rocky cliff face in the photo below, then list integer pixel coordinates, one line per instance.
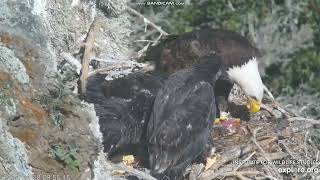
(44, 128)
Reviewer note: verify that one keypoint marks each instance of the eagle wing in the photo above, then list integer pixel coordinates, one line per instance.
(178, 128)
(123, 106)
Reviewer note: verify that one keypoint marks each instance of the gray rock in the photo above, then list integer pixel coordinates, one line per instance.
(13, 155)
(9, 63)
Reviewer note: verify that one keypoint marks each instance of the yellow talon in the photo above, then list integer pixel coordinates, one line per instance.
(216, 121)
(223, 117)
(128, 160)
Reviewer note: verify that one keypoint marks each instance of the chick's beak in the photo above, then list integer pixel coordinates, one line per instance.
(253, 105)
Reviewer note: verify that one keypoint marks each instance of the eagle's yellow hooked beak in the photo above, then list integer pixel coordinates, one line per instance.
(253, 105)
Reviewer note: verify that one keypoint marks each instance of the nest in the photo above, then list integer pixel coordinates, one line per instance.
(272, 144)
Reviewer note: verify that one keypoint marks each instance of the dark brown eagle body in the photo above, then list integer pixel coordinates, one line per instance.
(123, 106)
(132, 112)
(181, 120)
(181, 51)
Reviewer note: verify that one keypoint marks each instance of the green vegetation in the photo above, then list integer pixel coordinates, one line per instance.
(53, 103)
(292, 63)
(232, 15)
(67, 156)
(302, 72)
(287, 32)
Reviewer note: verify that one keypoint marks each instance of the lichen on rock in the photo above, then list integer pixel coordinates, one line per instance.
(13, 155)
(10, 64)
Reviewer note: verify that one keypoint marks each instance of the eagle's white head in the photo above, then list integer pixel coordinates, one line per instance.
(247, 76)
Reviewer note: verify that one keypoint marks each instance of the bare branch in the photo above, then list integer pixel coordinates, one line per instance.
(87, 56)
(249, 157)
(232, 154)
(143, 50)
(268, 92)
(238, 174)
(311, 121)
(133, 171)
(144, 40)
(146, 20)
(157, 40)
(268, 166)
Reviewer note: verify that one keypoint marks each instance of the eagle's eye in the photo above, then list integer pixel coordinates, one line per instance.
(254, 97)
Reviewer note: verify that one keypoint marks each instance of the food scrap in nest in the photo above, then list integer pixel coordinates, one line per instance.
(227, 123)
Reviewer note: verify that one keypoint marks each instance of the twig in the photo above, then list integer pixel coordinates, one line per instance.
(143, 50)
(311, 121)
(145, 68)
(87, 55)
(283, 110)
(277, 105)
(231, 6)
(146, 20)
(276, 155)
(109, 68)
(133, 171)
(249, 157)
(230, 155)
(287, 149)
(157, 40)
(114, 61)
(267, 108)
(238, 174)
(274, 169)
(305, 143)
(144, 40)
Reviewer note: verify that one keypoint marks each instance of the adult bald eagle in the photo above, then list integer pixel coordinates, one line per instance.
(124, 105)
(181, 120)
(239, 60)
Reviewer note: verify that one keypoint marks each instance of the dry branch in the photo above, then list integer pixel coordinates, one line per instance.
(107, 69)
(249, 157)
(143, 50)
(157, 40)
(146, 20)
(144, 40)
(239, 174)
(306, 120)
(89, 43)
(268, 92)
(133, 171)
(232, 154)
(270, 167)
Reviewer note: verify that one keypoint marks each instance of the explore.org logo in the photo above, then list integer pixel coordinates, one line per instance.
(160, 3)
